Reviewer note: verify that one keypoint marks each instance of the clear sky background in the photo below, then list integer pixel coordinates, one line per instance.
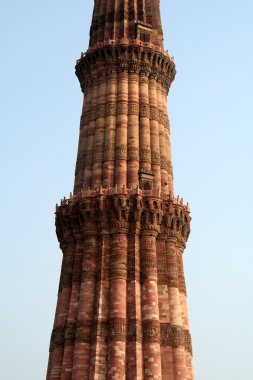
(211, 112)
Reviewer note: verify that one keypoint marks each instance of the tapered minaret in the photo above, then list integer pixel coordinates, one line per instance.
(122, 310)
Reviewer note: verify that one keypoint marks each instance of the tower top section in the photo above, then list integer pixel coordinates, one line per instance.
(128, 20)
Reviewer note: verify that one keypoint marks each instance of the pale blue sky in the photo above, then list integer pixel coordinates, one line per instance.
(211, 114)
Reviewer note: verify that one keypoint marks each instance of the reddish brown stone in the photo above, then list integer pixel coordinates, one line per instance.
(122, 309)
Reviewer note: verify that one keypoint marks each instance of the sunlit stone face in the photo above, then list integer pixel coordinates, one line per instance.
(122, 310)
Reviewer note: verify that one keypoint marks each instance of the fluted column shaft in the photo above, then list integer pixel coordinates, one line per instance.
(133, 131)
(167, 138)
(99, 353)
(109, 20)
(98, 151)
(141, 10)
(110, 131)
(175, 310)
(164, 311)
(154, 132)
(145, 152)
(150, 307)
(63, 306)
(67, 365)
(58, 305)
(117, 311)
(184, 310)
(84, 123)
(121, 130)
(81, 364)
(134, 316)
(91, 136)
(162, 142)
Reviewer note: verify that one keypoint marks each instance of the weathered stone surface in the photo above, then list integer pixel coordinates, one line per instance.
(122, 308)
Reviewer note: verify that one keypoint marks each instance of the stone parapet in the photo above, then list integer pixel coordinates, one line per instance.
(128, 56)
(123, 207)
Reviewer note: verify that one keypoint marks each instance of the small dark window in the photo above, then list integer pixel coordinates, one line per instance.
(147, 185)
(145, 37)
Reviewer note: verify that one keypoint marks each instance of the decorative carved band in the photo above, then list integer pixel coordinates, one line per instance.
(172, 273)
(100, 329)
(148, 268)
(151, 332)
(133, 154)
(154, 113)
(83, 332)
(166, 122)
(116, 329)
(165, 163)
(144, 110)
(109, 153)
(155, 158)
(98, 154)
(122, 108)
(134, 331)
(133, 109)
(160, 116)
(121, 152)
(172, 336)
(145, 155)
(188, 341)
(176, 337)
(111, 109)
(170, 168)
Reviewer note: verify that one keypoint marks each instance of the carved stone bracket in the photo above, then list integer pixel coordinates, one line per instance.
(123, 208)
(116, 58)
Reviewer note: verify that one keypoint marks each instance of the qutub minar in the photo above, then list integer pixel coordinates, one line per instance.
(122, 309)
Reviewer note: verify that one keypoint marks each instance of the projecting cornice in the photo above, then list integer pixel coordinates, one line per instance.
(125, 55)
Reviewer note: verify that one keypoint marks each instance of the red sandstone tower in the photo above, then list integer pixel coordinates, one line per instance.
(122, 309)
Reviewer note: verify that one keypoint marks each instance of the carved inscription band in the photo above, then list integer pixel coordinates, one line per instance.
(118, 330)
(111, 109)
